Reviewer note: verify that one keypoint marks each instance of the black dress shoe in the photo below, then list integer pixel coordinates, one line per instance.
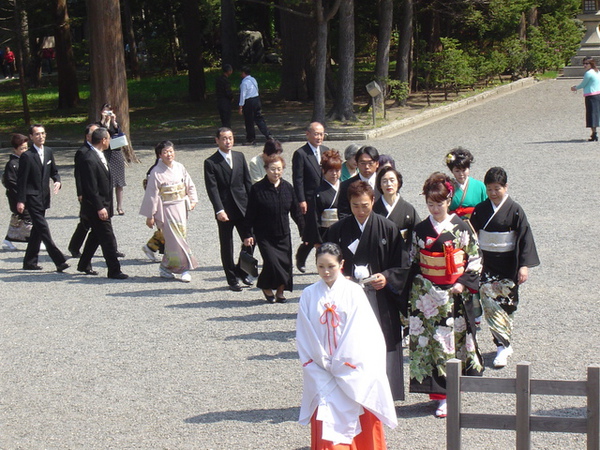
(269, 298)
(75, 253)
(247, 280)
(301, 269)
(235, 287)
(281, 299)
(89, 272)
(32, 267)
(62, 267)
(120, 255)
(118, 276)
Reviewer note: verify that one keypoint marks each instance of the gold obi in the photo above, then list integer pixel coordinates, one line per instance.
(442, 267)
(172, 192)
(329, 216)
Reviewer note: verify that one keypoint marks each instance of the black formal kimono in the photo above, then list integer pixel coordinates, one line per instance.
(267, 215)
(403, 214)
(507, 245)
(20, 224)
(325, 198)
(382, 249)
(344, 209)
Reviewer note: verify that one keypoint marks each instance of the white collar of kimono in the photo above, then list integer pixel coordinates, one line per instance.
(337, 282)
(464, 185)
(496, 208)
(389, 207)
(441, 226)
(336, 186)
(362, 227)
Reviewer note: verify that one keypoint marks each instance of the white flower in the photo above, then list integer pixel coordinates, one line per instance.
(439, 296)
(427, 305)
(415, 326)
(361, 272)
(464, 239)
(423, 341)
(450, 321)
(445, 337)
(460, 324)
(470, 343)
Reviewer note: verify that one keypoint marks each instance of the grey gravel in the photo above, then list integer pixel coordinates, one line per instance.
(87, 362)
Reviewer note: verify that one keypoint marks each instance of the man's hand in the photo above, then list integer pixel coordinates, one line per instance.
(241, 111)
(458, 288)
(57, 186)
(249, 242)
(222, 217)
(150, 222)
(20, 207)
(103, 214)
(303, 207)
(379, 282)
(79, 198)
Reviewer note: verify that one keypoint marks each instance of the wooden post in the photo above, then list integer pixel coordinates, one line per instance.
(453, 372)
(523, 406)
(593, 407)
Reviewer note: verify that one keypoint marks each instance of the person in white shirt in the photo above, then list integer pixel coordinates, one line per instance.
(250, 107)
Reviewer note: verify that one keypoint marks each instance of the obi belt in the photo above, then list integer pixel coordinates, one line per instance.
(442, 267)
(498, 242)
(172, 192)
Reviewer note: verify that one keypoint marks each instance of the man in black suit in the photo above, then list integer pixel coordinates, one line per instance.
(97, 207)
(36, 168)
(224, 95)
(228, 185)
(306, 175)
(367, 159)
(83, 226)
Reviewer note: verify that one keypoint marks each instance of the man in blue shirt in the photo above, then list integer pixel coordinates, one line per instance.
(250, 107)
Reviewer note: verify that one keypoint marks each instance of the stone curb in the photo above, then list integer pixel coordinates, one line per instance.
(427, 114)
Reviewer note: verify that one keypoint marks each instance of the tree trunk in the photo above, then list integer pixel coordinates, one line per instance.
(108, 78)
(134, 63)
(382, 64)
(229, 40)
(193, 46)
(343, 109)
(298, 41)
(522, 27)
(405, 28)
(532, 16)
(68, 93)
(173, 41)
(21, 37)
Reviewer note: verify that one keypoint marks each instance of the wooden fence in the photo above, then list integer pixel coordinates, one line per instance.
(523, 421)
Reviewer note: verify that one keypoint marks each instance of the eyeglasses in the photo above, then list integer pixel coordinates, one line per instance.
(40, 133)
(586, 64)
(369, 163)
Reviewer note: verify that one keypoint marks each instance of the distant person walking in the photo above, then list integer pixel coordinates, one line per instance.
(591, 94)
(8, 63)
(224, 95)
(250, 107)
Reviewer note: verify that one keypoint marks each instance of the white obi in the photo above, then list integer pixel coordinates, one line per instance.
(329, 216)
(498, 242)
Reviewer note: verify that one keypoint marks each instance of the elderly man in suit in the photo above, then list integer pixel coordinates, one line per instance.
(228, 185)
(97, 207)
(36, 168)
(306, 175)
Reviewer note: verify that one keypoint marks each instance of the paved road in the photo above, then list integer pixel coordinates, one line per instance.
(147, 363)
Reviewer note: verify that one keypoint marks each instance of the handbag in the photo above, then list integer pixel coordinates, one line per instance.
(248, 263)
(18, 229)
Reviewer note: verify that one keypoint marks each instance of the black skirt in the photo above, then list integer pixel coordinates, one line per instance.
(592, 111)
(276, 252)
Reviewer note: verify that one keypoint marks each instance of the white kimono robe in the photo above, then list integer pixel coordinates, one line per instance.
(343, 354)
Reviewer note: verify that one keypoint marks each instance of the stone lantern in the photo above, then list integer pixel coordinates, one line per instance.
(590, 44)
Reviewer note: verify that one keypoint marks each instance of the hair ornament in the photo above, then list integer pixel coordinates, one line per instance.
(450, 158)
(449, 187)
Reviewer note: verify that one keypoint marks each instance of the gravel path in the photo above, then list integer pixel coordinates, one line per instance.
(87, 362)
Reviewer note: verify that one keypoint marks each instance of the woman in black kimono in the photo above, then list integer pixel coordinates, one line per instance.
(391, 204)
(508, 248)
(375, 256)
(326, 197)
(270, 204)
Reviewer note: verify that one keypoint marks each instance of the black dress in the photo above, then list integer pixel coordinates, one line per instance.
(326, 197)
(267, 215)
(115, 159)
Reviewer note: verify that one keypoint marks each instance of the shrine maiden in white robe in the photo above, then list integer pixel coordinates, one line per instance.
(343, 354)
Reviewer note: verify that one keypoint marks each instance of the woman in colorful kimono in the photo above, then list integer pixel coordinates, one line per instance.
(468, 192)
(508, 248)
(346, 394)
(170, 194)
(447, 263)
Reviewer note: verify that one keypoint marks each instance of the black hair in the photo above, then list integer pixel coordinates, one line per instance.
(222, 130)
(367, 150)
(382, 172)
(35, 125)
(246, 70)
(459, 158)
(330, 248)
(496, 175)
(99, 134)
(160, 146)
(227, 68)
